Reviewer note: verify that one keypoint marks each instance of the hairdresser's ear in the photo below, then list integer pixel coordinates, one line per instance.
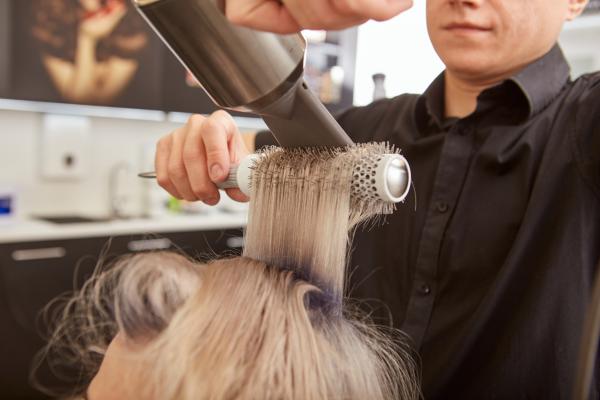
(576, 8)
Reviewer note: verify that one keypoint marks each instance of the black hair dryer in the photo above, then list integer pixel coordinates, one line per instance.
(246, 70)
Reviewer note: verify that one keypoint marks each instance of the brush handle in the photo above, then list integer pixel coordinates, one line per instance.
(239, 175)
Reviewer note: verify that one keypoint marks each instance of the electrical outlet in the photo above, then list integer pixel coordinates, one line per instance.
(65, 147)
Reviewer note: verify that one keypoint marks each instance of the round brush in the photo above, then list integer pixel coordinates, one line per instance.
(385, 177)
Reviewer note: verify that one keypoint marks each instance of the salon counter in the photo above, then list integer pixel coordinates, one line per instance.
(29, 230)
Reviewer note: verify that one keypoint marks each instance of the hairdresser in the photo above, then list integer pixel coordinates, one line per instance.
(488, 267)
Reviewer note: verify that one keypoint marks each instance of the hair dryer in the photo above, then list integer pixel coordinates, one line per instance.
(246, 70)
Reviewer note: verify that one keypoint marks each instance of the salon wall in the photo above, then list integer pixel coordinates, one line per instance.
(579, 41)
(399, 48)
(120, 147)
(111, 142)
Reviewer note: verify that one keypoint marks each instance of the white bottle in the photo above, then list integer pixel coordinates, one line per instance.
(378, 86)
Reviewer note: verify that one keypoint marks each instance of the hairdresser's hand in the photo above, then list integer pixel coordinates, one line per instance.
(287, 16)
(190, 159)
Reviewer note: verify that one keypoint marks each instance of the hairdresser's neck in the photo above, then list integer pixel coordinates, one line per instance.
(461, 91)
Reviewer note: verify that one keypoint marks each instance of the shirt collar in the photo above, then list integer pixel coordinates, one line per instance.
(542, 80)
(536, 85)
(430, 106)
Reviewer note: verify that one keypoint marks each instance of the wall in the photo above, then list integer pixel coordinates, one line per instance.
(399, 48)
(579, 41)
(113, 141)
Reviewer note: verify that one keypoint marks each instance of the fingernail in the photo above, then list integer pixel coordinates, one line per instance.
(211, 202)
(216, 172)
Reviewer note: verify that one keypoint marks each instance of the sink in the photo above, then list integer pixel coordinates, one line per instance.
(71, 219)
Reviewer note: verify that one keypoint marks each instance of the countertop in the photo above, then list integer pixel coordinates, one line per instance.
(29, 230)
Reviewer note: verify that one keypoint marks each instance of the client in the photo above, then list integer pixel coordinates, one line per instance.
(273, 324)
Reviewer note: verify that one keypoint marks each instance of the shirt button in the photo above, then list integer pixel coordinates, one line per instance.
(441, 206)
(425, 289)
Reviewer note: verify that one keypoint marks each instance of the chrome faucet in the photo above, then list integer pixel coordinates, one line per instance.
(118, 199)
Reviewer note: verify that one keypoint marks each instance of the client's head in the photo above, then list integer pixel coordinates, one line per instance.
(239, 328)
(229, 329)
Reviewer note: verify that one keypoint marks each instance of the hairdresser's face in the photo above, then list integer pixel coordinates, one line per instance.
(487, 38)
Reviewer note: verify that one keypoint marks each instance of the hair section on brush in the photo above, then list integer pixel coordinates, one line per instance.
(303, 209)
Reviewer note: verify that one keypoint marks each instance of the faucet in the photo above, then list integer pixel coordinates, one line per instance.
(117, 198)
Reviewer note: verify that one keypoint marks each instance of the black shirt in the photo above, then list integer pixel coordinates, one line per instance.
(488, 265)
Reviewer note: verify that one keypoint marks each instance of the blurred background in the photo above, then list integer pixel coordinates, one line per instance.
(86, 90)
(61, 146)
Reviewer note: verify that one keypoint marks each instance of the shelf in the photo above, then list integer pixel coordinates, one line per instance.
(243, 123)
(76, 109)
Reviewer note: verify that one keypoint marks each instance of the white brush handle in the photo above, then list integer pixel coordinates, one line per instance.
(240, 175)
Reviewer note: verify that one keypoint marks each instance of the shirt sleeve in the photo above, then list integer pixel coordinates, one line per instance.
(588, 131)
(359, 123)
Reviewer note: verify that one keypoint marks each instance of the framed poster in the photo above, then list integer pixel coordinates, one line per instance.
(92, 52)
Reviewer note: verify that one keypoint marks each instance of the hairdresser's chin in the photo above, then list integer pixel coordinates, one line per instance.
(492, 41)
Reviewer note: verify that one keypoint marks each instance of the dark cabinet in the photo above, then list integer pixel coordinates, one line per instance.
(32, 274)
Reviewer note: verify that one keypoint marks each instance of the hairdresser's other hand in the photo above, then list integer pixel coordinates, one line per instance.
(192, 158)
(287, 16)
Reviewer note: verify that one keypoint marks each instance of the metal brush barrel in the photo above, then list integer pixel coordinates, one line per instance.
(385, 176)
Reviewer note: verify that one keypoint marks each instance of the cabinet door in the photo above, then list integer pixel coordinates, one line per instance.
(200, 245)
(32, 274)
(208, 245)
(35, 273)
